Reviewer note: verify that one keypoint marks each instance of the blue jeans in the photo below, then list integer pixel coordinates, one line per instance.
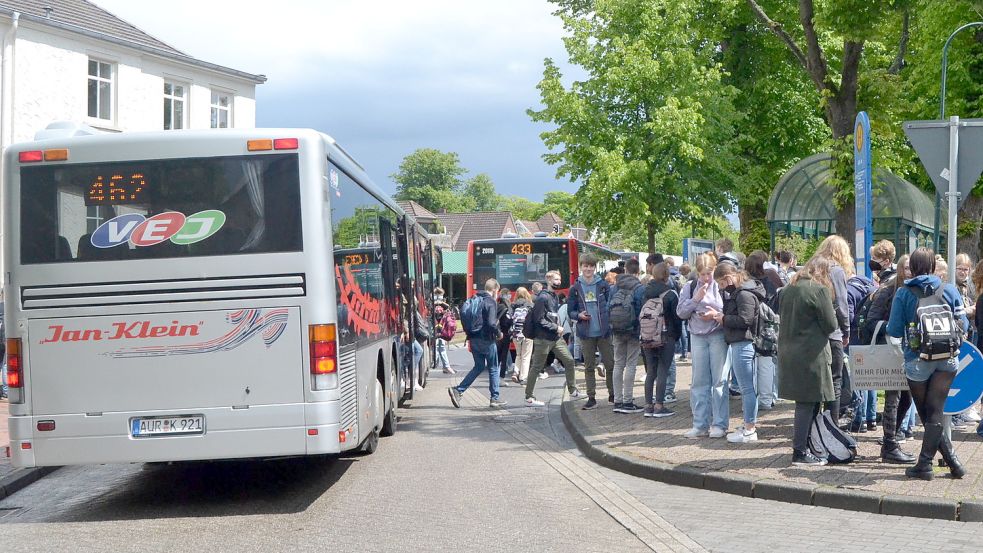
(742, 362)
(920, 370)
(765, 380)
(485, 354)
(671, 381)
(442, 361)
(709, 399)
(682, 345)
(909, 421)
(867, 412)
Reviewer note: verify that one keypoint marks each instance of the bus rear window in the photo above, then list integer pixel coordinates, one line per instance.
(520, 264)
(160, 208)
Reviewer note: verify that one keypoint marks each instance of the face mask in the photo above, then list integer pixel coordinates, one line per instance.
(874, 266)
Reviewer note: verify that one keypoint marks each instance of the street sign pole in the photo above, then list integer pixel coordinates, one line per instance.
(863, 236)
(953, 195)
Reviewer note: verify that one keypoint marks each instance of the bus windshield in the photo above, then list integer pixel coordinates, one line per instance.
(518, 263)
(160, 208)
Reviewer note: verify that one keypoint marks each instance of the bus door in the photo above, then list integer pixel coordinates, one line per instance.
(406, 306)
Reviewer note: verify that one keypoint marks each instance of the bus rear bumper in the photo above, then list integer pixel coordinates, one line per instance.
(257, 432)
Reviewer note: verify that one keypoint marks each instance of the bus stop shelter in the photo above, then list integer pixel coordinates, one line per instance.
(802, 204)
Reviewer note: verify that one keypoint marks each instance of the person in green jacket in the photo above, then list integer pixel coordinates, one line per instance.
(807, 316)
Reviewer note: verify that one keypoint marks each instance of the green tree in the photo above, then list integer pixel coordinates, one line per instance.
(431, 178)
(826, 42)
(479, 194)
(650, 131)
(520, 207)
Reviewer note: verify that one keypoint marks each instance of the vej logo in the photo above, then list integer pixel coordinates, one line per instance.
(170, 225)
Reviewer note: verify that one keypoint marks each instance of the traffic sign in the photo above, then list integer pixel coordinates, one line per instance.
(931, 142)
(967, 388)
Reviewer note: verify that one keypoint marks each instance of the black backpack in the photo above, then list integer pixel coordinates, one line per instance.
(938, 335)
(621, 315)
(766, 323)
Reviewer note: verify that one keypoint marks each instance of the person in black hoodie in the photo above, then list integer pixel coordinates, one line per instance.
(896, 403)
(741, 298)
(658, 359)
(504, 314)
(544, 329)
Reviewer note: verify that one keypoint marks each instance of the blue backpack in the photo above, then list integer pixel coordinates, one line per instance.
(471, 319)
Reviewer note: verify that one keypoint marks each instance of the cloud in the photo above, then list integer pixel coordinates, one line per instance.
(386, 77)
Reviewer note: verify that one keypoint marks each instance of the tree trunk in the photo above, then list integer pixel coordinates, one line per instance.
(747, 215)
(841, 112)
(968, 234)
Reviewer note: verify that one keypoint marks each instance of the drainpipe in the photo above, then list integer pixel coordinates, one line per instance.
(6, 109)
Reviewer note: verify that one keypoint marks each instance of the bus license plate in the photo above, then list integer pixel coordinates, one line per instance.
(167, 426)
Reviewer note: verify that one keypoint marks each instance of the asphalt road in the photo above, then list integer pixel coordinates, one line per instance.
(469, 479)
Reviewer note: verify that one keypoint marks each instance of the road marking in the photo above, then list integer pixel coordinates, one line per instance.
(650, 528)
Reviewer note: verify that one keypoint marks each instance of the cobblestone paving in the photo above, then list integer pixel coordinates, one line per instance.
(770, 457)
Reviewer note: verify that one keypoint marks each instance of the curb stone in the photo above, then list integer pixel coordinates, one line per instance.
(22, 478)
(770, 489)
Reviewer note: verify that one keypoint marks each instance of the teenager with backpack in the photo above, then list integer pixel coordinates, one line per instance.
(804, 359)
(623, 310)
(521, 309)
(445, 327)
(587, 305)
(659, 330)
(742, 295)
(929, 319)
(479, 316)
(864, 402)
(836, 251)
(877, 309)
(764, 364)
(542, 325)
(503, 309)
(709, 398)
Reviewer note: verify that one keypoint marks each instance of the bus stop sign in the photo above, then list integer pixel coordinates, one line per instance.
(931, 142)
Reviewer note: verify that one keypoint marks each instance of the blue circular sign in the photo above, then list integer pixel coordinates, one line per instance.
(967, 388)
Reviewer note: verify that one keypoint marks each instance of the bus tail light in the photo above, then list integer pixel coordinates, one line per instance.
(30, 156)
(259, 145)
(15, 370)
(324, 356)
(286, 144)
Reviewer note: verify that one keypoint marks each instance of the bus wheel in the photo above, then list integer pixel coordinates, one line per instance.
(389, 423)
(371, 443)
(425, 367)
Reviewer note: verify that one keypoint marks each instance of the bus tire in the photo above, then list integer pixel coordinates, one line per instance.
(370, 443)
(389, 420)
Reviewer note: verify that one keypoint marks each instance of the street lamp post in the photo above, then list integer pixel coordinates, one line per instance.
(945, 68)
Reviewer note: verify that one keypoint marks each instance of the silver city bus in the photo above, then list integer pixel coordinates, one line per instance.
(189, 295)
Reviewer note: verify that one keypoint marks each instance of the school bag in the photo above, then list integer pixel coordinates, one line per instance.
(471, 319)
(826, 440)
(652, 322)
(621, 314)
(448, 326)
(518, 321)
(937, 332)
(860, 293)
(765, 330)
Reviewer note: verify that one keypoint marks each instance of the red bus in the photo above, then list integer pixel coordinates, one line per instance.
(516, 262)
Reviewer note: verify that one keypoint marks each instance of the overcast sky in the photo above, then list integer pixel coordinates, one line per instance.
(385, 77)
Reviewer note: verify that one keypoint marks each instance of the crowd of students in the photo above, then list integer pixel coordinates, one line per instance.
(712, 312)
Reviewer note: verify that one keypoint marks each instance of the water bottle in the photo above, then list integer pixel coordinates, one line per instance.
(914, 340)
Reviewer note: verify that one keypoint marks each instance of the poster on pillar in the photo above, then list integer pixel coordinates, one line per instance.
(862, 194)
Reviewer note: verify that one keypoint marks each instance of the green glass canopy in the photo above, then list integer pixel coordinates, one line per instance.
(802, 203)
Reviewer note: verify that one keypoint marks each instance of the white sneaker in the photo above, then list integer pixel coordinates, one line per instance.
(742, 436)
(695, 433)
(576, 395)
(971, 415)
(533, 402)
(717, 432)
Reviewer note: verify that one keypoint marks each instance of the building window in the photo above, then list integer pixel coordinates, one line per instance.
(221, 110)
(100, 90)
(93, 218)
(174, 106)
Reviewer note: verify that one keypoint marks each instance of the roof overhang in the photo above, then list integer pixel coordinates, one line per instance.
(188, 60)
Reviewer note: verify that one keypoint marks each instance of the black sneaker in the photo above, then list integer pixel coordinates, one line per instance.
(630, 408)
(455, 396)
(670, 398)
(734, 393)
(591, 404)
(617, 408)
(610, 398)
(871, 426)
(807, 459)
(663, 412)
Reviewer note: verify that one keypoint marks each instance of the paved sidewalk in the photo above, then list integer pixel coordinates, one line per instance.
(657, 446)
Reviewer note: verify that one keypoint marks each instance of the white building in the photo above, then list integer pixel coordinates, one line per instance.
(70, 60)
